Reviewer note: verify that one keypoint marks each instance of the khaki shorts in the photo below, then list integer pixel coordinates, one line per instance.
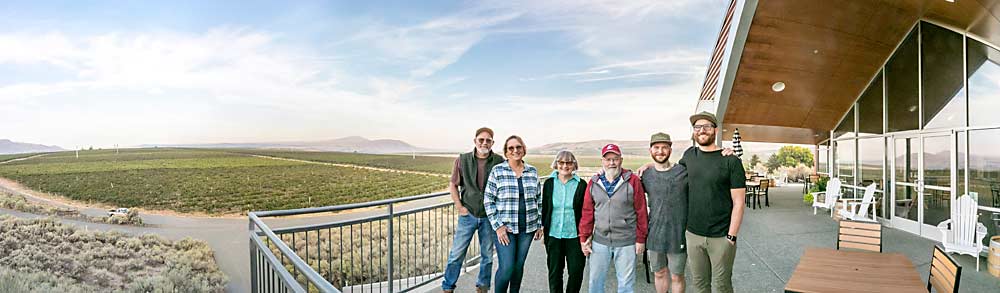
(674, 262)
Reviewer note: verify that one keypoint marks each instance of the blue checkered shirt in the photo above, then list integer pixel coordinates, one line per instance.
(501, 196)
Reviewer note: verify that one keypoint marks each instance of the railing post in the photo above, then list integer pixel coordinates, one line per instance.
(390, 247)
(253, 259)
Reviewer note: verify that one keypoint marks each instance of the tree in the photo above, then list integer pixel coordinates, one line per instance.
(789, 156)
(754, 160)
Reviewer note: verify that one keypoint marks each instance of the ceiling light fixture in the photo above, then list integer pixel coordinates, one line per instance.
(778, 86)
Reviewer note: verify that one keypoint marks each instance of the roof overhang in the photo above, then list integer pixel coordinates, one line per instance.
(826, 53)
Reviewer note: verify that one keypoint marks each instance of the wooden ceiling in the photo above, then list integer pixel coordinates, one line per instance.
(826, 52)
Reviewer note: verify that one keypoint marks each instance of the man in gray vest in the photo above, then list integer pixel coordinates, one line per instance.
(613, 222)
(468, 182)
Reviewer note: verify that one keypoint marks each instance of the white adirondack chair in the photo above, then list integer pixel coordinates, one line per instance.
(829, 196)
(963, 234)
(859, 211)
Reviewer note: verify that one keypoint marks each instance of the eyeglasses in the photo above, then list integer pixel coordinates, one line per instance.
(618, 159)
(515, 147)
(705, 127)
(484, 140)
(565, 163)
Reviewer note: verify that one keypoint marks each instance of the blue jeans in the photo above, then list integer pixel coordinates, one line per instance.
(466, 227)
(600, 260)
(511, 258)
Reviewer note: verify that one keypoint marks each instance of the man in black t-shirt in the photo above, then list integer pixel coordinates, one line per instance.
(716, 189)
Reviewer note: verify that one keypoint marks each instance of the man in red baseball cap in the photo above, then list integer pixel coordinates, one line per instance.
(613, 222)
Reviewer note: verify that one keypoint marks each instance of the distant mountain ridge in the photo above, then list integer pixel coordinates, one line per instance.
(344, 144)
(593, 147)
(641, 148)
(12, 147)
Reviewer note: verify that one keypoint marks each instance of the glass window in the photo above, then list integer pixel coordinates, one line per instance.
(937, 160)
(984, 173)
(902, 86)
(962, 149)
(906, 205)
(845, 161)
(984, 87)
(871, 154)
(870, 108)
(906, 152)
(944, 92)
(846, 126)
(823, 164)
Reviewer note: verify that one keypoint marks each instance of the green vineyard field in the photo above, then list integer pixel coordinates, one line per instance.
(207, 181)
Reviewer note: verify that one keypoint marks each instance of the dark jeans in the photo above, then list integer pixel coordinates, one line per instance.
(511, 261)
(563, 253)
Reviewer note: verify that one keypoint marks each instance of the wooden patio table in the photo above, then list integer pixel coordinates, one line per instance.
(831, 270)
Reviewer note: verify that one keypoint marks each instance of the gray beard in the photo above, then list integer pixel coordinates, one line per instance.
(610, 174)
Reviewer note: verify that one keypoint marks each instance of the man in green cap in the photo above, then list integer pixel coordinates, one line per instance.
(666, 189)
(716, 186)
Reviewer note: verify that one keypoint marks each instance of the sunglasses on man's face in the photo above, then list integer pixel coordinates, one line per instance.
(484, 141)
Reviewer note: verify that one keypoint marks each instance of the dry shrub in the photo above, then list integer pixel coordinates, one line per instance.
(49, 256)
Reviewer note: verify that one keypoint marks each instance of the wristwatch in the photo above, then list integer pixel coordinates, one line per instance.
(731, 238)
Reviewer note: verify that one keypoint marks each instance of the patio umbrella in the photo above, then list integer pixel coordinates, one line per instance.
(737, 148)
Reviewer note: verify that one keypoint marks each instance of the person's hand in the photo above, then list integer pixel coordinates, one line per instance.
(728, 152)
(731, 242)
(643, 169)
(539, 234)
(640, 248)
(585, 247)
(502, 235)
(462, 211)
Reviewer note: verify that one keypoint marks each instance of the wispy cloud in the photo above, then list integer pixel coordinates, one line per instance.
(638, 75)
(378, 77)
(432, 45)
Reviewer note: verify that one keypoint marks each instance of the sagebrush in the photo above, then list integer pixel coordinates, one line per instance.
(44, 255)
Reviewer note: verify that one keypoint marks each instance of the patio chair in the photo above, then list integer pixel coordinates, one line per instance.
(858, 211)
(761, 191)
(945, 274)
(860, 235)
(963, 234)
(829, 196)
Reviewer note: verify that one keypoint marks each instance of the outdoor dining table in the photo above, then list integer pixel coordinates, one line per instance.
(831, 270)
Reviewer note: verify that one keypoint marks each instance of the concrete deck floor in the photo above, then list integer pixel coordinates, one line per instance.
(771, 241)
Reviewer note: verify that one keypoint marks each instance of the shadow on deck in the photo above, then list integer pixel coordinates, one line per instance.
(771, 241)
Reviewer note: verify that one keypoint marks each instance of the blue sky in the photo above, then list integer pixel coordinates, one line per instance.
(428, 72)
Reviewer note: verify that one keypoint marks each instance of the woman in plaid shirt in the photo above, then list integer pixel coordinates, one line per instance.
(514, 207)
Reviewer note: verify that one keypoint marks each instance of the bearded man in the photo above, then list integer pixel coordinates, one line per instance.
(613, 222)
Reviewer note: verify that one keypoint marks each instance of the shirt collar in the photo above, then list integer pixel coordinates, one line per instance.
(555, 175)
